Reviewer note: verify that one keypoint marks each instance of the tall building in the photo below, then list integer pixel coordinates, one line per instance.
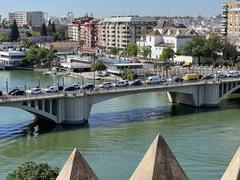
(84, 29)
(30, 18)
(231, 22)
(119, 32)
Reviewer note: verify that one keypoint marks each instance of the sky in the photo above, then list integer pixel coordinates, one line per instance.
(104, 8)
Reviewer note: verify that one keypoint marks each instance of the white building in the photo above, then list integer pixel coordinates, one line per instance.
(11, 57)
(31, 18)
(121, 31)
(162, 37)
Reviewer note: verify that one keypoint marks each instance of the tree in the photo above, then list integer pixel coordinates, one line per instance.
(167, 54)
(4, 23)
(49, 27)
(3, 37)
(194, 48)
(53, 28)
(114, 51)
(31, 170)
(129, 74)
(98, 66)
(14, 34)
(132, 50)
(44, 30)
(35, 33)
(146, 51)
(230, 52)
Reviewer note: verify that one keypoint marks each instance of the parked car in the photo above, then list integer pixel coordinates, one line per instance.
(209, 76)
(155, 80)
(175, 79)
(18, 93)
(88, 86)
(233, 74)
(76, 86)
(136, 82)
(105, 85)
(53, 89)
(35, 91)
(12, 91)
(122, 83)
(221, 74)
(69, 88)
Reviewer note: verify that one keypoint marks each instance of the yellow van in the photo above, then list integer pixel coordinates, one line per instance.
(191, 76)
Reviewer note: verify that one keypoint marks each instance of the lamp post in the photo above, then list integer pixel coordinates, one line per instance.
(25, 88)
(63, 81)
(39, 82)
(58, 86)
(7, 85)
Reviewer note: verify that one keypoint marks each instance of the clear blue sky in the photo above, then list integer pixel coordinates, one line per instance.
(103, 8)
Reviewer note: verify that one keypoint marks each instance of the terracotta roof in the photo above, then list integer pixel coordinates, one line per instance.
(63, 44)
(159, 163)
(76, 168)
(180, 32)
(154, 33)
(163, 24)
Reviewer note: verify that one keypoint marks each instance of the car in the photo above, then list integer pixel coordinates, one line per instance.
(88, 86)
(69, 88)
(221, 74)
(105, 85)
(76, 86)
(53, 89)
(175, 79)
(136, 82)
(122, 83)
(35, 91)
(233, 74)
(12, 91)
(209, 76)
(18, 93)
(155, 80)
(1, 93)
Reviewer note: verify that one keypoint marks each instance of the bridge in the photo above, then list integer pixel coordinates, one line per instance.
(75, 107)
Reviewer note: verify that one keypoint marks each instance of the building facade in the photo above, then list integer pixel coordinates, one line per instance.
(11, 57)
(231, 22)
(121, 31)
(166, 35)
(30, 18)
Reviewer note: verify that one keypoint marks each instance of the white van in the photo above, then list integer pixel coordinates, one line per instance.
(122, 83)
(155, 80)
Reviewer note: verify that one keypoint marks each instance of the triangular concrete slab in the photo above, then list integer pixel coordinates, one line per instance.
(233, 170)
(159, 163)
(76, 168)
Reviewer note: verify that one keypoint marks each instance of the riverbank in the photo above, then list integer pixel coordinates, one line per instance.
(90, 76)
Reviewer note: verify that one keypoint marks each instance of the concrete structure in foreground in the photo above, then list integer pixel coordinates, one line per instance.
(159, 163)
(75, 108)
(76, 168)
(233, 170)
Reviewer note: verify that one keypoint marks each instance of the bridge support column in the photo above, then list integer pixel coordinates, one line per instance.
(74, 110)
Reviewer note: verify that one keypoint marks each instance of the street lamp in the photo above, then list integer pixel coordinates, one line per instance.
(63, 81)
(58, 86)
(7, 85)
(39, 82)
(25, 88)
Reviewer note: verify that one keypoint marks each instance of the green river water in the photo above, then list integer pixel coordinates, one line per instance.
(120, 131)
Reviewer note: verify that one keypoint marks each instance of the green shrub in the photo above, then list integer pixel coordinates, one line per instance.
(33, 171)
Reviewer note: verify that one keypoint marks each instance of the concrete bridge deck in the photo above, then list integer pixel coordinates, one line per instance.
(74, 107)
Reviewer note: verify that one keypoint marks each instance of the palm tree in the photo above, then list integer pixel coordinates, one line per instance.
(3, 23)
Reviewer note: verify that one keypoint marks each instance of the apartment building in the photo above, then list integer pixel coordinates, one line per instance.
(88, 33)
(166, 35)
(31, 18)
(231, 22)
(121, 31)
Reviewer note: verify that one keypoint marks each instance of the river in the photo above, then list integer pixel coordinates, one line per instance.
(120, 131)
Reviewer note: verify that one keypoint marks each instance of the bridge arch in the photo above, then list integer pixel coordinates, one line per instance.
(229, 92)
